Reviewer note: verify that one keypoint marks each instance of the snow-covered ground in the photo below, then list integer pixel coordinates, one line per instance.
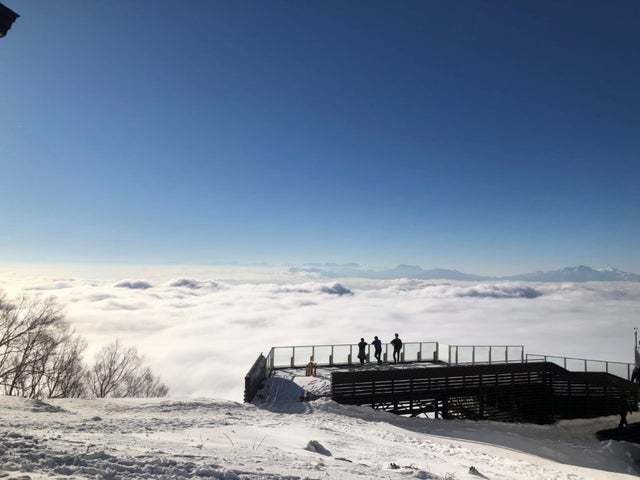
(176, 439)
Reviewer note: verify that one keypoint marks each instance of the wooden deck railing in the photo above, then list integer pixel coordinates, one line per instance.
(345, 355)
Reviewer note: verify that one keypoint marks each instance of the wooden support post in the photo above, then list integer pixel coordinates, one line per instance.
(585, 366)
(313, 353)
(473, 355)
(456, 355)
(393, 396)
(411, 397)
(331, 357)
(436, 354)
(506, 354)
(373, 394)
(293, 358)
(481, 411)
(490, 348)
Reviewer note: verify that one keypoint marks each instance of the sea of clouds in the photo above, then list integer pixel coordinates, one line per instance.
(202, 328)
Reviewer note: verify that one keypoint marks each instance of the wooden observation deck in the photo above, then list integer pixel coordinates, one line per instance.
(476, 382)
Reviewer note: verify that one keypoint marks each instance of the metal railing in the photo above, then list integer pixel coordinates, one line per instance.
(485, 354)
(345, 354)
(573, 364)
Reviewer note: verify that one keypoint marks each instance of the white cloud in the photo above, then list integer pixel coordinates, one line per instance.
(498, 291)
(191, 283)
(203, 340)
(51, 286)
(134, 284)
(336, 289)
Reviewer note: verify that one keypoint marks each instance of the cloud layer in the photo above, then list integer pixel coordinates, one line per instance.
(203, 328)
(133, 284)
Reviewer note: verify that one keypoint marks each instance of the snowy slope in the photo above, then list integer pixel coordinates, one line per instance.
(220, 439)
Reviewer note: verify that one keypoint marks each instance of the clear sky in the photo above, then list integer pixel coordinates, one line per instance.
(493, 137)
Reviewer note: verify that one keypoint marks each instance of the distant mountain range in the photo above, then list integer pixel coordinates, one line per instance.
(580, 273)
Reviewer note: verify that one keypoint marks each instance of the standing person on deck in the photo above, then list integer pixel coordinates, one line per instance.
(361, 351)
(377, 345)
(397, 346)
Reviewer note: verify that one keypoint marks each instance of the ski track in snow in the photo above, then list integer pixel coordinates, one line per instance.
(173, 439)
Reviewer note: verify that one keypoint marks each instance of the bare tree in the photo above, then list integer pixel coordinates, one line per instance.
(66, 372)
(119, 371)
(27, 339)
(144, 384)
(41, 356)
(113, 365)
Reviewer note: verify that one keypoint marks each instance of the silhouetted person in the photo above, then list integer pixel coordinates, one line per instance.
(397, 346)
(377, 345)
(635, 375)
(361, 351)
(624, 409)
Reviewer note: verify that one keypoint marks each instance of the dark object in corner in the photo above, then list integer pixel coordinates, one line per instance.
(7, 17)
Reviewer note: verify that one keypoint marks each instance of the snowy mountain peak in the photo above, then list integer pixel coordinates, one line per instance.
(580, 273)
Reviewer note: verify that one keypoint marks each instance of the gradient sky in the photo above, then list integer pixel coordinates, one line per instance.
(494, 137)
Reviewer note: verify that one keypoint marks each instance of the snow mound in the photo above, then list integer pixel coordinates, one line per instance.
(424, 475)
(316, 447)
(40, 406)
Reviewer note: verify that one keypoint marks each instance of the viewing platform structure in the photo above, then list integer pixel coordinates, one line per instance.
(493, 382)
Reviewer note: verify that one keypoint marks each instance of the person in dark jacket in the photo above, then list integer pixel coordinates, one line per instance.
(361, 351)
(377, 345)
(635, 375)
(397, 346)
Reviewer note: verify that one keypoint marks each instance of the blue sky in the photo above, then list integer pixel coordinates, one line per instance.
(493, 137)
